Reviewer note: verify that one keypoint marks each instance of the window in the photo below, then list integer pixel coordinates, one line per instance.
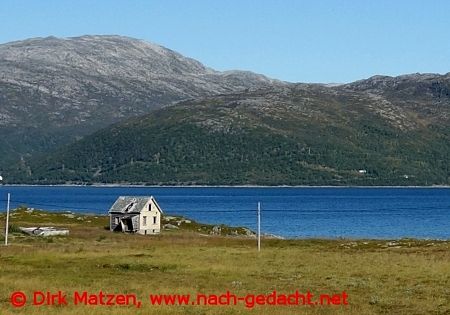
(116, 220)
(154, 219)
(144, 220)
(150, 206)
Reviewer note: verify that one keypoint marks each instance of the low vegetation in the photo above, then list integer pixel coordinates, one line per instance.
(380, 276)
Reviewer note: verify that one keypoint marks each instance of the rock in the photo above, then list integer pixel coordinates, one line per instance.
(272, 236)
(183, 221)
(216, 230)
(169, 226)
(393, 243)
(249, 232)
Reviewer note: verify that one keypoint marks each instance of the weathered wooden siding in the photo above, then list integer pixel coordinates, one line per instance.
(112, 220)
(135, 220)
(152, 223)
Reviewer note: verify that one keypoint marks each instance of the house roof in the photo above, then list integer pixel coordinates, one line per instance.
(132, 204)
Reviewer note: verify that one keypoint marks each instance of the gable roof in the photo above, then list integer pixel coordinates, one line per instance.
(132, 204)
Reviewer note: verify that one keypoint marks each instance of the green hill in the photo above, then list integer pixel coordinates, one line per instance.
(381, 131)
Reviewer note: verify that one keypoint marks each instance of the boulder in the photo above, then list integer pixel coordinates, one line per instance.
(169, 226)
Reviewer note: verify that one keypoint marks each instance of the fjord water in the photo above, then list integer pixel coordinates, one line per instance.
(384, 213)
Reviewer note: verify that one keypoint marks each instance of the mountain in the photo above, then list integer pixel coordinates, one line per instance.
(379, 131)
(56, 90)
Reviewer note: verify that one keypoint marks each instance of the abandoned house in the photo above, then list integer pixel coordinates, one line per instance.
(140, 215)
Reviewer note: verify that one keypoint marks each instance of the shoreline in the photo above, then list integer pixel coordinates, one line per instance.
(264, 235)
(220, 186)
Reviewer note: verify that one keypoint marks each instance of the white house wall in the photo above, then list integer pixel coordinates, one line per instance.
(150, 227)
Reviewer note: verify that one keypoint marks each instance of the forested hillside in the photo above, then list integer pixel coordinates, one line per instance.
(297, 135)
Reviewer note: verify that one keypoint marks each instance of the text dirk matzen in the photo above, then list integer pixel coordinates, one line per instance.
(60, 298)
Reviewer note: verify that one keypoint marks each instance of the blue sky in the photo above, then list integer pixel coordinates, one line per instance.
(299, 41)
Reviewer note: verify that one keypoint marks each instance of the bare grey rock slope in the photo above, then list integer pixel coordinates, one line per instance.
(56, 89)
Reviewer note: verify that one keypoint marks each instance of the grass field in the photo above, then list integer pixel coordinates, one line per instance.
(380, 277)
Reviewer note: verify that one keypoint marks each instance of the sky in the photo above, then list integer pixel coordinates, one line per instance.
(328, 41)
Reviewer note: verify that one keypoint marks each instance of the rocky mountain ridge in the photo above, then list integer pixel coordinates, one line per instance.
(116, 109)
(54, 90)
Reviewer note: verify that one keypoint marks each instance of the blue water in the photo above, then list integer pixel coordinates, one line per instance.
(290, 212)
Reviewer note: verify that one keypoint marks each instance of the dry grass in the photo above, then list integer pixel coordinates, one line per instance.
(380, 277)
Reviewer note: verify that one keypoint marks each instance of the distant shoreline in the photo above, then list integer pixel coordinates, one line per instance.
(216, 186)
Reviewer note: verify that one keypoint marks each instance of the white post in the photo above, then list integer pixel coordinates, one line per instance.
(259, 226)
(7, 221)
